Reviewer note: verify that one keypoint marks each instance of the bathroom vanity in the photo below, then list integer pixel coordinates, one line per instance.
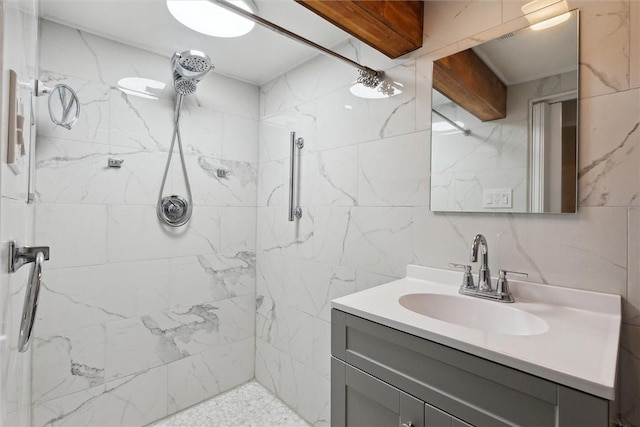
(549, 359)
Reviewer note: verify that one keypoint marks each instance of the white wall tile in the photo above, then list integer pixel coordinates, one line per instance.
(201, 131)
(322, 347)
(239, 139)
(313, 399)
(278, 235)
(71, 171)
(76, 172)
(77, 234)
(211, 277)
(394, 171)
(424, 71)
(132, 346)
(274, 370)
(140, 123)
(604, 46)
(238, 229)
(196, 378)
(609, 150)
(310, 286)
(68, 362)
(227, 95)
(238, 188)
(287, 329)
(344, 119)
(331, 228)
(72, 52)
(132, 227)
(446, 23)
(335, 177)
(274, 140)
(269, 276)
(379, 240)
(273, 183)
(587, 251)
(79, 297)
(130, 401)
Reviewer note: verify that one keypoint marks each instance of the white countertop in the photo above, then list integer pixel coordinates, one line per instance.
(579, 349)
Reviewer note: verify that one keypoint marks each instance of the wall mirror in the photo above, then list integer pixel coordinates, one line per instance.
(504, 123)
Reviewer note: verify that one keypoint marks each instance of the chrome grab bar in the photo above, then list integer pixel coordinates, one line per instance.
(19, 256)
(295, 143)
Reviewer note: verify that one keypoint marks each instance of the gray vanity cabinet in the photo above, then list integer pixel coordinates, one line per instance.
(370, 402)
(384, 377)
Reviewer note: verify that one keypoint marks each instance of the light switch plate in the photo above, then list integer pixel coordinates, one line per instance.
(497, 198)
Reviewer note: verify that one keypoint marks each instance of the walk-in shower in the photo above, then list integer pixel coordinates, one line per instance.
(188, 67)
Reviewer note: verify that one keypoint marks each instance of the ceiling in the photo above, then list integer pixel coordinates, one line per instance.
(256, 57)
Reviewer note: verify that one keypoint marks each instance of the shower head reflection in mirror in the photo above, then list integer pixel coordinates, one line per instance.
(525, 161)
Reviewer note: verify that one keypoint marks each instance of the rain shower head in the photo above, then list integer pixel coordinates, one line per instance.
(188, 68)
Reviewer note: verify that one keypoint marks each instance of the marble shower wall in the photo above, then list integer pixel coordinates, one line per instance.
(364, 190)
(137, 320)
(19, 37)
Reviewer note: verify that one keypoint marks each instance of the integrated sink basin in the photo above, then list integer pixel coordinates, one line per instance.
(469, 312)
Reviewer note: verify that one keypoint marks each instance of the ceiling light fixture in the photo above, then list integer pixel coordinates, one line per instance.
(552, 22)
(208, 18)
(377, 92)
(442, 126)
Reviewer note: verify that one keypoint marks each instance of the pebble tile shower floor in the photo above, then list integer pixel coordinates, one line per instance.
(249, 405)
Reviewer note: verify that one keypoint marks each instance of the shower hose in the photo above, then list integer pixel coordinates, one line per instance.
(174, 210)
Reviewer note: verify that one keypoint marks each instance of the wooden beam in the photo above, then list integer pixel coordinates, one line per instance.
(393, 27)
(469, 82)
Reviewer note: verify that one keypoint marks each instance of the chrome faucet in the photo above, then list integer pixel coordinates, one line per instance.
(484, 275)
(484, 289)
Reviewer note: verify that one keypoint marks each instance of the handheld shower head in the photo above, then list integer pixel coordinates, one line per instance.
(188, 68)
(191, 63)
(184, 86)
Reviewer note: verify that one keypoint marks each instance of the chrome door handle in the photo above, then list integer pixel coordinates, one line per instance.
(19, 256)
(30, 303)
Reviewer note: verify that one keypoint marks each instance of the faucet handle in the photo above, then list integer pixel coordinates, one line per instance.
(502, 287)
(467, 280)
(503, 273)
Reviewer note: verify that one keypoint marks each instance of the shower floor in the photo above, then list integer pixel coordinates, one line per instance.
(249, 405)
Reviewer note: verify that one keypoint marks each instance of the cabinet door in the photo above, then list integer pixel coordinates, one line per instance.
(360, 400)
(434, 417)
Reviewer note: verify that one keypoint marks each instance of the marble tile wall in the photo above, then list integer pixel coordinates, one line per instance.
(136, 320)
(18, 52)
(364, 190)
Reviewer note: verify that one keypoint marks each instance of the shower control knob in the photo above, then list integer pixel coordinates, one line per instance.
(174, 210)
